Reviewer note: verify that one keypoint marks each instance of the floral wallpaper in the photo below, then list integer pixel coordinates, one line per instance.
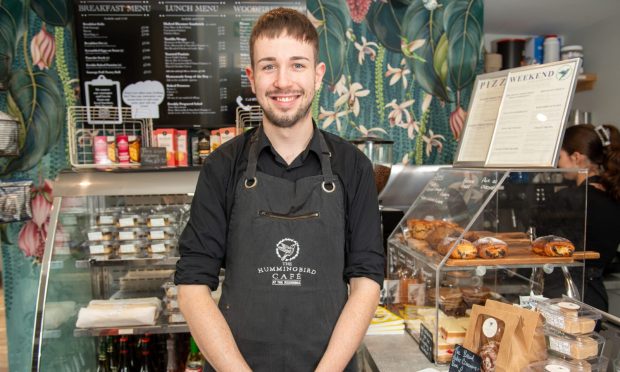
(398, 69)
(37, 82)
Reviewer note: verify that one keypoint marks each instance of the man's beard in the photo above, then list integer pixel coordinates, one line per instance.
(286, 120)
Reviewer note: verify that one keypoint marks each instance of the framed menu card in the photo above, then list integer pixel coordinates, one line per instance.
(484, 105)
(517, 117)
(532, 115)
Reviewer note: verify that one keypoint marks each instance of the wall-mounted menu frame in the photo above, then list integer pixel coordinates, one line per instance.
(482, 112)
(197, 50)
(532, 115)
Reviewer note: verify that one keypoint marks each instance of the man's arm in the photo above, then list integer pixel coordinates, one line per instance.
(209, 328)
(352, 324)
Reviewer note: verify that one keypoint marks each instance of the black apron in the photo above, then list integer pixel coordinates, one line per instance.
(284, 287)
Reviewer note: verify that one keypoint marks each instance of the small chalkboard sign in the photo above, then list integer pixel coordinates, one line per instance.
(427, 346)
(464, 360)
(153, 156)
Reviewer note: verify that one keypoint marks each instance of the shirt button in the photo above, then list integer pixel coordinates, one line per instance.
(227, 307)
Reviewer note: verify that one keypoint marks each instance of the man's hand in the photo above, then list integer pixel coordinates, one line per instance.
(209, 328)
(352, 325)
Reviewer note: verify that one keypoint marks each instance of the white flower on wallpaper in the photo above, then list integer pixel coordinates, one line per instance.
(399, 112)
(412, 128)
(409, 48)
(330, 117)
(433, 140)
(398, 73)
(317, 23)
(370, 132)
(350, 96)
(366, 47)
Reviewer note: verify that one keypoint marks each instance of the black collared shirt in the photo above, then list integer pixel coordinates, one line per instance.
(202, 244)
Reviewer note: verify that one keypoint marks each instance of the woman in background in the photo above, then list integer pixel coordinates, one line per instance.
(596, 149)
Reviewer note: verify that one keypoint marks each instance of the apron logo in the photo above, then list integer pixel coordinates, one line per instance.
(287, 249)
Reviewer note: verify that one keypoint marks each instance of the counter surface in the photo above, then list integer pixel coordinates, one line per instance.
(395, 353)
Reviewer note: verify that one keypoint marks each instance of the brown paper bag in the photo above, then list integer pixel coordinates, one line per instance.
(505, 336)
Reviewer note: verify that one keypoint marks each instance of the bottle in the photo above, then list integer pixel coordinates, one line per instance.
(171, 364)
(112, 355)
(102, 357)
(133, 353)
(122, 146)
(145, 358)
(124, 360)
(195, 362)
(204, 146)
(551, 49)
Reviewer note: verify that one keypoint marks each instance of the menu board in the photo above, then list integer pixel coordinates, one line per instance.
(480, 123)
(180, 62)
(533, 112)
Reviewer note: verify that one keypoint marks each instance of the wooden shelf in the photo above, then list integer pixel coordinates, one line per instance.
(586, 82)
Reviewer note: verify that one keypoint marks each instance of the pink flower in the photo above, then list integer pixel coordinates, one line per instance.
(41, 209)
(42, 49)
(457, 120)
(31, 240)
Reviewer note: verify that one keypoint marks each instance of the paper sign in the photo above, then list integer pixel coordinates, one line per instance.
(144, 98)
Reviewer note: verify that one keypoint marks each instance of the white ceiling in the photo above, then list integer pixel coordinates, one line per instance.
(539, 17)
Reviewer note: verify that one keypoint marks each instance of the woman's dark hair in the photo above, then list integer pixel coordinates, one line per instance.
(587, 140)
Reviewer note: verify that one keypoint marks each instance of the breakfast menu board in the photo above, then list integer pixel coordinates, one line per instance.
(195, 52)
(482, 114)
(530, 124)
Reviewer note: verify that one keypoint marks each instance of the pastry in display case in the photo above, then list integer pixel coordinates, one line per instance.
(467, 238)
(109, 263)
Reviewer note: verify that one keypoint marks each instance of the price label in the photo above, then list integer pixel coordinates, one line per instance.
(158, 222)
(96, 249)
(126, 235)
(126, 222)
(157, 234)
(95, 235)
(158, 248)
(128, 248)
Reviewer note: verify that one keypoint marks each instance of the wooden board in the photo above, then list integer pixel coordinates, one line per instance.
(519, 253)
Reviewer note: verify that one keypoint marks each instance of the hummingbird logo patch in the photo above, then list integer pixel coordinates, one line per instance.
(287, 249)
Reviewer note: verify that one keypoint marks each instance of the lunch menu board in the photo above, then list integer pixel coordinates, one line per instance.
(179, 62)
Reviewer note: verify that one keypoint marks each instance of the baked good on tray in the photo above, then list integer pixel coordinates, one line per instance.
(490, 247)
(440, 232)
(464, 249)
(419, 229)
(553, 246)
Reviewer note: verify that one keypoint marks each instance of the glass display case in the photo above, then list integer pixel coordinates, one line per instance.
(112, 237)
(475, 234)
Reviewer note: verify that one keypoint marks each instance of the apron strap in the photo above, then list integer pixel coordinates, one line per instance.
(250, 173)
(326, 167)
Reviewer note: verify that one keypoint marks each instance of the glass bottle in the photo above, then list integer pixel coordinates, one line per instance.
(102, 357)
(124, 363)
(112, 355)
(195, 362)
(171, 365)
(145, 359)
(133, 353)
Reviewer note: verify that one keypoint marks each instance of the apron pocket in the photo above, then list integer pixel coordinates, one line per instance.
(288, 217)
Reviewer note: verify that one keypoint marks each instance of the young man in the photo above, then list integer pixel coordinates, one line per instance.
(292, 214)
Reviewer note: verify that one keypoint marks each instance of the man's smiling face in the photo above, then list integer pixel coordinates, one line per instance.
(284, 78)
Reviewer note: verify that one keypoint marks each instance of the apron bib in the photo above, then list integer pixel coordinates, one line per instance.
(284, 288)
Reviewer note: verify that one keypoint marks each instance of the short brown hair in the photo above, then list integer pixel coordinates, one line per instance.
(285, 21)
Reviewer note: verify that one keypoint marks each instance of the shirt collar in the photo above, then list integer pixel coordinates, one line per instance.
(314, 145)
